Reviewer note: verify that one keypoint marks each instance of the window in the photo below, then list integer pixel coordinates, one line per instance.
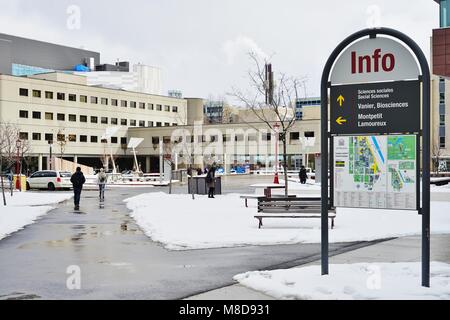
(150, 124)
(114, 102)
(252, 137)
(105, 101)
(61, 117)
(94, 100)
(72, 117)
(61, 96)
(167, 108)
(155, 140)
(104, 140)
(114, 140)
(61, 137)
(83, 118)
(36, 136)
(158, 107)
(72, 97)
(36, 93)
(94, 119)
(123, 122)
(49, 137)
(94, 139)
(202, 138)
(48, 116)
(266, 137)
(166, 139)
(174, 109)
(214, 138)
(141, 123)
(159, 124)
(83, 99)
(123, 140)
(239, 137)
(72, 138)
(151, 106)
(23, 92)
(133, 123)
(309, 134)
(141, 105)
(83, 138)
(124, 103)
(23, 135)
(442, 142)
(114, 121)
(36, 115)
(104, 120)
(226, 138)
(441, 120)
(23, 114)
(48, 95)
(174, 124)
(133, 104)
(166, 124)
(295, 135)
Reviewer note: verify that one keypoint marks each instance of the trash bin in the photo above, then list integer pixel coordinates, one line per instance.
(23, 182)
(201, 187)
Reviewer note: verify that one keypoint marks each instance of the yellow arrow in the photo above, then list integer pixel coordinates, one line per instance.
(341, 100)
(340, 121)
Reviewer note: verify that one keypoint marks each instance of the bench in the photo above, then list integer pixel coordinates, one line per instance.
(291, 208)
(257, 197)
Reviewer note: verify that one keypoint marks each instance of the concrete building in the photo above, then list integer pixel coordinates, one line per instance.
(58, 107)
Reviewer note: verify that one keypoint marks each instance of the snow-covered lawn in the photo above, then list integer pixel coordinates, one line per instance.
(180, 223)
(25, 208)
(352, 282)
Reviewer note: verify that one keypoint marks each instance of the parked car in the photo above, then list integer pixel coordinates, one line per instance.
(50, 180)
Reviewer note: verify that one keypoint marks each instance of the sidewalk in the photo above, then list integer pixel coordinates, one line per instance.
(407, 249)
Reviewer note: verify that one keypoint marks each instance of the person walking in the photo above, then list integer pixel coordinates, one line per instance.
(101, 181)
(78, 180)
(302, 175)
(211, 181)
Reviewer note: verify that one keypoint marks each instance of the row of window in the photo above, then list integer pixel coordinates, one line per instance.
(36, 136)
(227, 138)
(23, 92)
(24, 114)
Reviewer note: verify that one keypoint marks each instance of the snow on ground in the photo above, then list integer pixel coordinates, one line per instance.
(25, 208)
(352, 282)
(180, 223)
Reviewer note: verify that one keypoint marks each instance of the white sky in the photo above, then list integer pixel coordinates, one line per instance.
(201, 45)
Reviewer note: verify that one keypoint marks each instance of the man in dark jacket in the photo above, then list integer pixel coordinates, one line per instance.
(211, 181)
(77, 180)
(303, 175)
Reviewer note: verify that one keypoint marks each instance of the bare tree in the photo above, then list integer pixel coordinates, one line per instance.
(279, 109)
(62, 141)
(436, 153)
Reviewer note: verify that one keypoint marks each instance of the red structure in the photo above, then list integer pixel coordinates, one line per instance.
(277, 137)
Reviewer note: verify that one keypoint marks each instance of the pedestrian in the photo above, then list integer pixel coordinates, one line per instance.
(211, 181)
(189, 172)
(78, 181)
(199, 172)
(101, 181)
(302, 175)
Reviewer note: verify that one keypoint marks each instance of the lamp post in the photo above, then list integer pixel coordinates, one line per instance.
(18, 145)
(50, 160)
(276, 128)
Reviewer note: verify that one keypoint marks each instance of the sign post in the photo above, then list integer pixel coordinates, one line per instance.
(370, 142)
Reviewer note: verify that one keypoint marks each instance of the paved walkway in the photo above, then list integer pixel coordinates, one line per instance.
(118, 261)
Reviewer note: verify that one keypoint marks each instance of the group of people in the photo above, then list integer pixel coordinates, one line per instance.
(78, 180)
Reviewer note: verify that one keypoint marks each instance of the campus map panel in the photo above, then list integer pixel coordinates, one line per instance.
(375, 172)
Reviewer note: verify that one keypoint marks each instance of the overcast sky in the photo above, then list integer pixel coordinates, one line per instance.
(201, 45)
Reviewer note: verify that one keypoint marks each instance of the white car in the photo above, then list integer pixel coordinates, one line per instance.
(50, 180)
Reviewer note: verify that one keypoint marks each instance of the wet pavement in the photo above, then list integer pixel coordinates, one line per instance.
(117, 261)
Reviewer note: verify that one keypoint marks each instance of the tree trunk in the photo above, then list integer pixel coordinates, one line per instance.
(192, 182)
(170, 180)
(286, 190)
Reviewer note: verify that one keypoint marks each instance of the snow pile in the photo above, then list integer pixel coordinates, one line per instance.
(352, 282)
(180, 223)
(25, 208)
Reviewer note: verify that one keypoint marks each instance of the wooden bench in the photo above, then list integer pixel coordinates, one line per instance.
(257, 197)
(291, 208)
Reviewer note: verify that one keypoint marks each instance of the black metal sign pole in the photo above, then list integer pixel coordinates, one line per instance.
(325, 135)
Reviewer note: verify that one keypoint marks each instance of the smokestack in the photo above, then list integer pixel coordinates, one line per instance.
(269, 83)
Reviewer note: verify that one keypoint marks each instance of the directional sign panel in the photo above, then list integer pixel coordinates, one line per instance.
(384, 107)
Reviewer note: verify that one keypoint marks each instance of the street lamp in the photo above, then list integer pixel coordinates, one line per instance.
(50, 144)
(18, 145)
(276, 128)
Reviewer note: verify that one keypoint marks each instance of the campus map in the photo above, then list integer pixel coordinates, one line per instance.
(375, 172)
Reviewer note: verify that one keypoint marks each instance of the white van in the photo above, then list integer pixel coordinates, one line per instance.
(50, 180)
